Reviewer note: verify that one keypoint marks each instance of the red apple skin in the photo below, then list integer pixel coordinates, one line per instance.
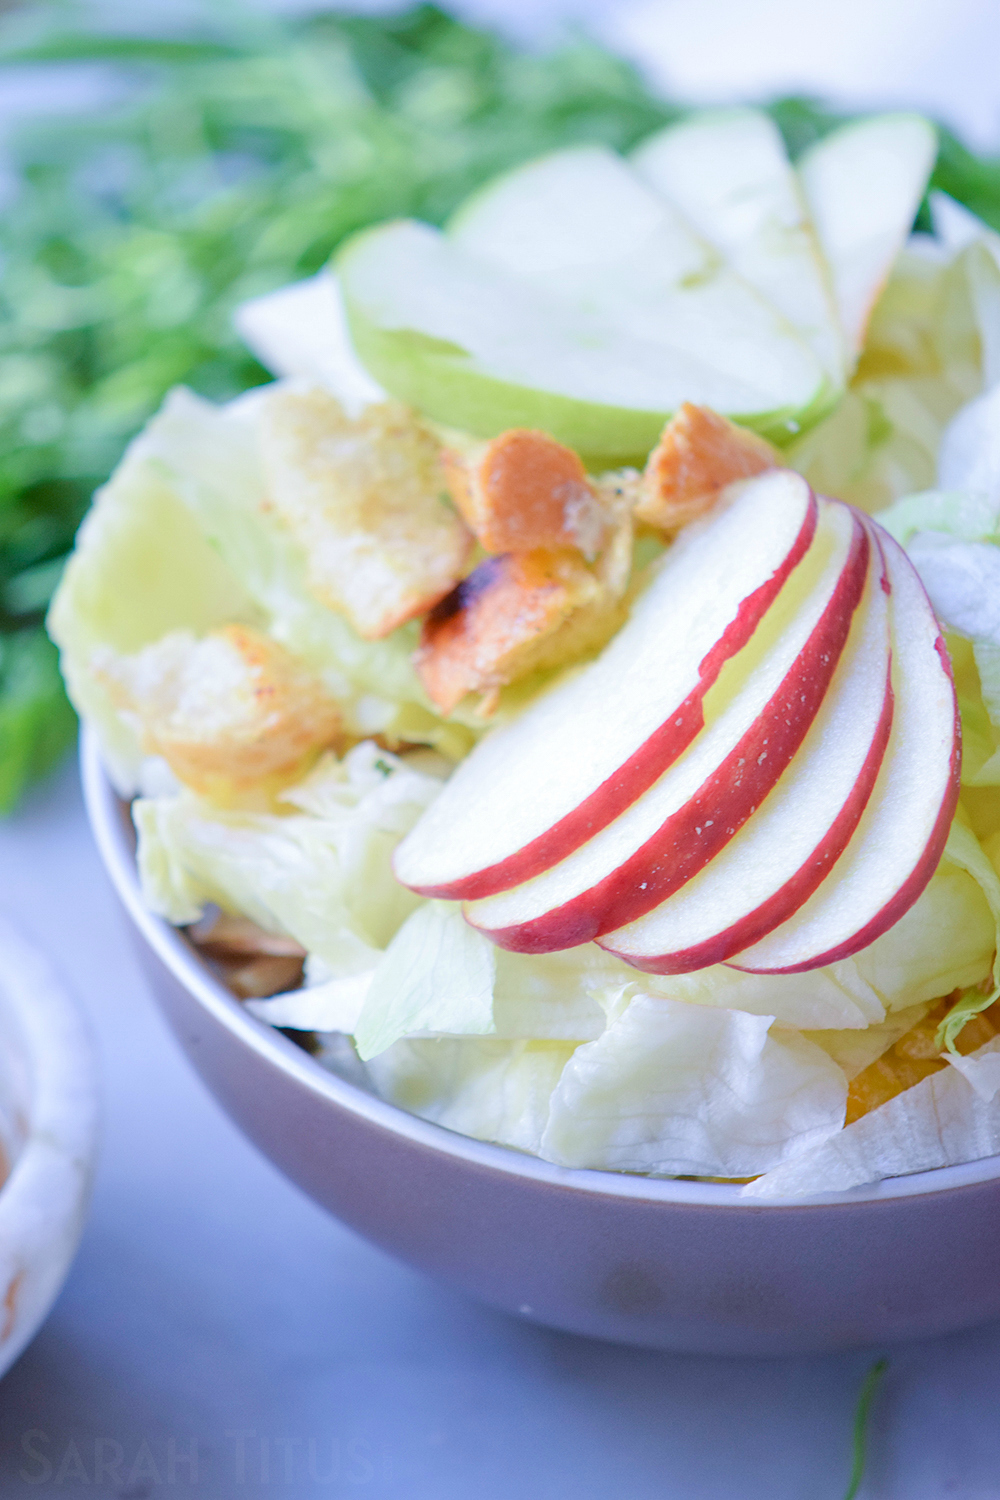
(685, 842)
(911, 889)
(917, 881)
(644, 766)
(786, 901)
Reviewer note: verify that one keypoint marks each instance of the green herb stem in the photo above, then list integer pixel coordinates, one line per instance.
(868, 1387)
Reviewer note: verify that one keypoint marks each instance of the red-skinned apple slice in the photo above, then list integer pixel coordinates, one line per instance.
(689, 817)
(536, 789)
(788, 847)
(900, 838)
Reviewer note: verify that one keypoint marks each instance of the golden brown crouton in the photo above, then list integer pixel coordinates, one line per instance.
(229, 713)
(915, 1057)
(523, 491)
(514, 614)
(698, 454)
(367, 499)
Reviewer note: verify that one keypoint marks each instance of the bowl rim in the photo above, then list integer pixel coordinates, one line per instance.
(110, 824)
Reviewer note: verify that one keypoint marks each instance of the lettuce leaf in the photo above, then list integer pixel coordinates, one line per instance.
(668, 1088)
(300, 332)
(490, 1089)
(837, 996)
(947, 939)
(181, 537)
(331, 1005)
(964, 850)
(964, 514)
(325, 879)
(937, 1123)
(963, 581)
(922, 361)
(142, 567)
(210, 457)
(970, 452)
(556, 996)
(437, 975)
(853, 1051)
(441, 976)
(671, 1089)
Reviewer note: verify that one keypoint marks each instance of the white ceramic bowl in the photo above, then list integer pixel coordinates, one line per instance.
(48, 1135)
(669, 1264)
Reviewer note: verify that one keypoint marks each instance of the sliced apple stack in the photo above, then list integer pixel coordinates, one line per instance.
(533, 791)
(761, 768)
(590, 296)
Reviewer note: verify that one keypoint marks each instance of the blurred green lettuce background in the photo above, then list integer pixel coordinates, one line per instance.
(235, 158)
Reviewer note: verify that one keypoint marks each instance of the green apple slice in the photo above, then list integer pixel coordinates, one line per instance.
(581, 225)
(729, 174)
(863, 185)
(479, 349)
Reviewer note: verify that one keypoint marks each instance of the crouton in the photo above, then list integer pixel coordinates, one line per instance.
(514, 614)
(915, 1057)
(524, 491)
(253, 963)
(367, 499)
(229, 713)
(698, 454)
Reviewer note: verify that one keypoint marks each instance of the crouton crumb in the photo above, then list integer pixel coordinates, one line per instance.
(698, 455)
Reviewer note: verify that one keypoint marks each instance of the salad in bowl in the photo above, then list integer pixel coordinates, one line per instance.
(573, 685)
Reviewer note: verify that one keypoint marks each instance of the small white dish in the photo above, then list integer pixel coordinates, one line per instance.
(48, 1138)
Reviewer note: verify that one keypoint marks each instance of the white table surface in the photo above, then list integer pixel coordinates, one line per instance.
(214, 1311)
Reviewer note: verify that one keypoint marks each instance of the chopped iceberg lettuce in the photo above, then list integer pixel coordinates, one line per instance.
(182, 538)
(947, 939)
(959, 513)
(436, 975)
(300, 332)
(671, 1088)
(922, 361)
(331, 1005)
(981, 1069)
(853, 1051)
(325, 879)
(836, 996)
(210, 457)
(546, 996)
(952, 536)
(936, 1123)
(441, 976)
(556, 996)
(493, 1090)
(970, 451)
(965, 851)
(962, 580)
(141, 568)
